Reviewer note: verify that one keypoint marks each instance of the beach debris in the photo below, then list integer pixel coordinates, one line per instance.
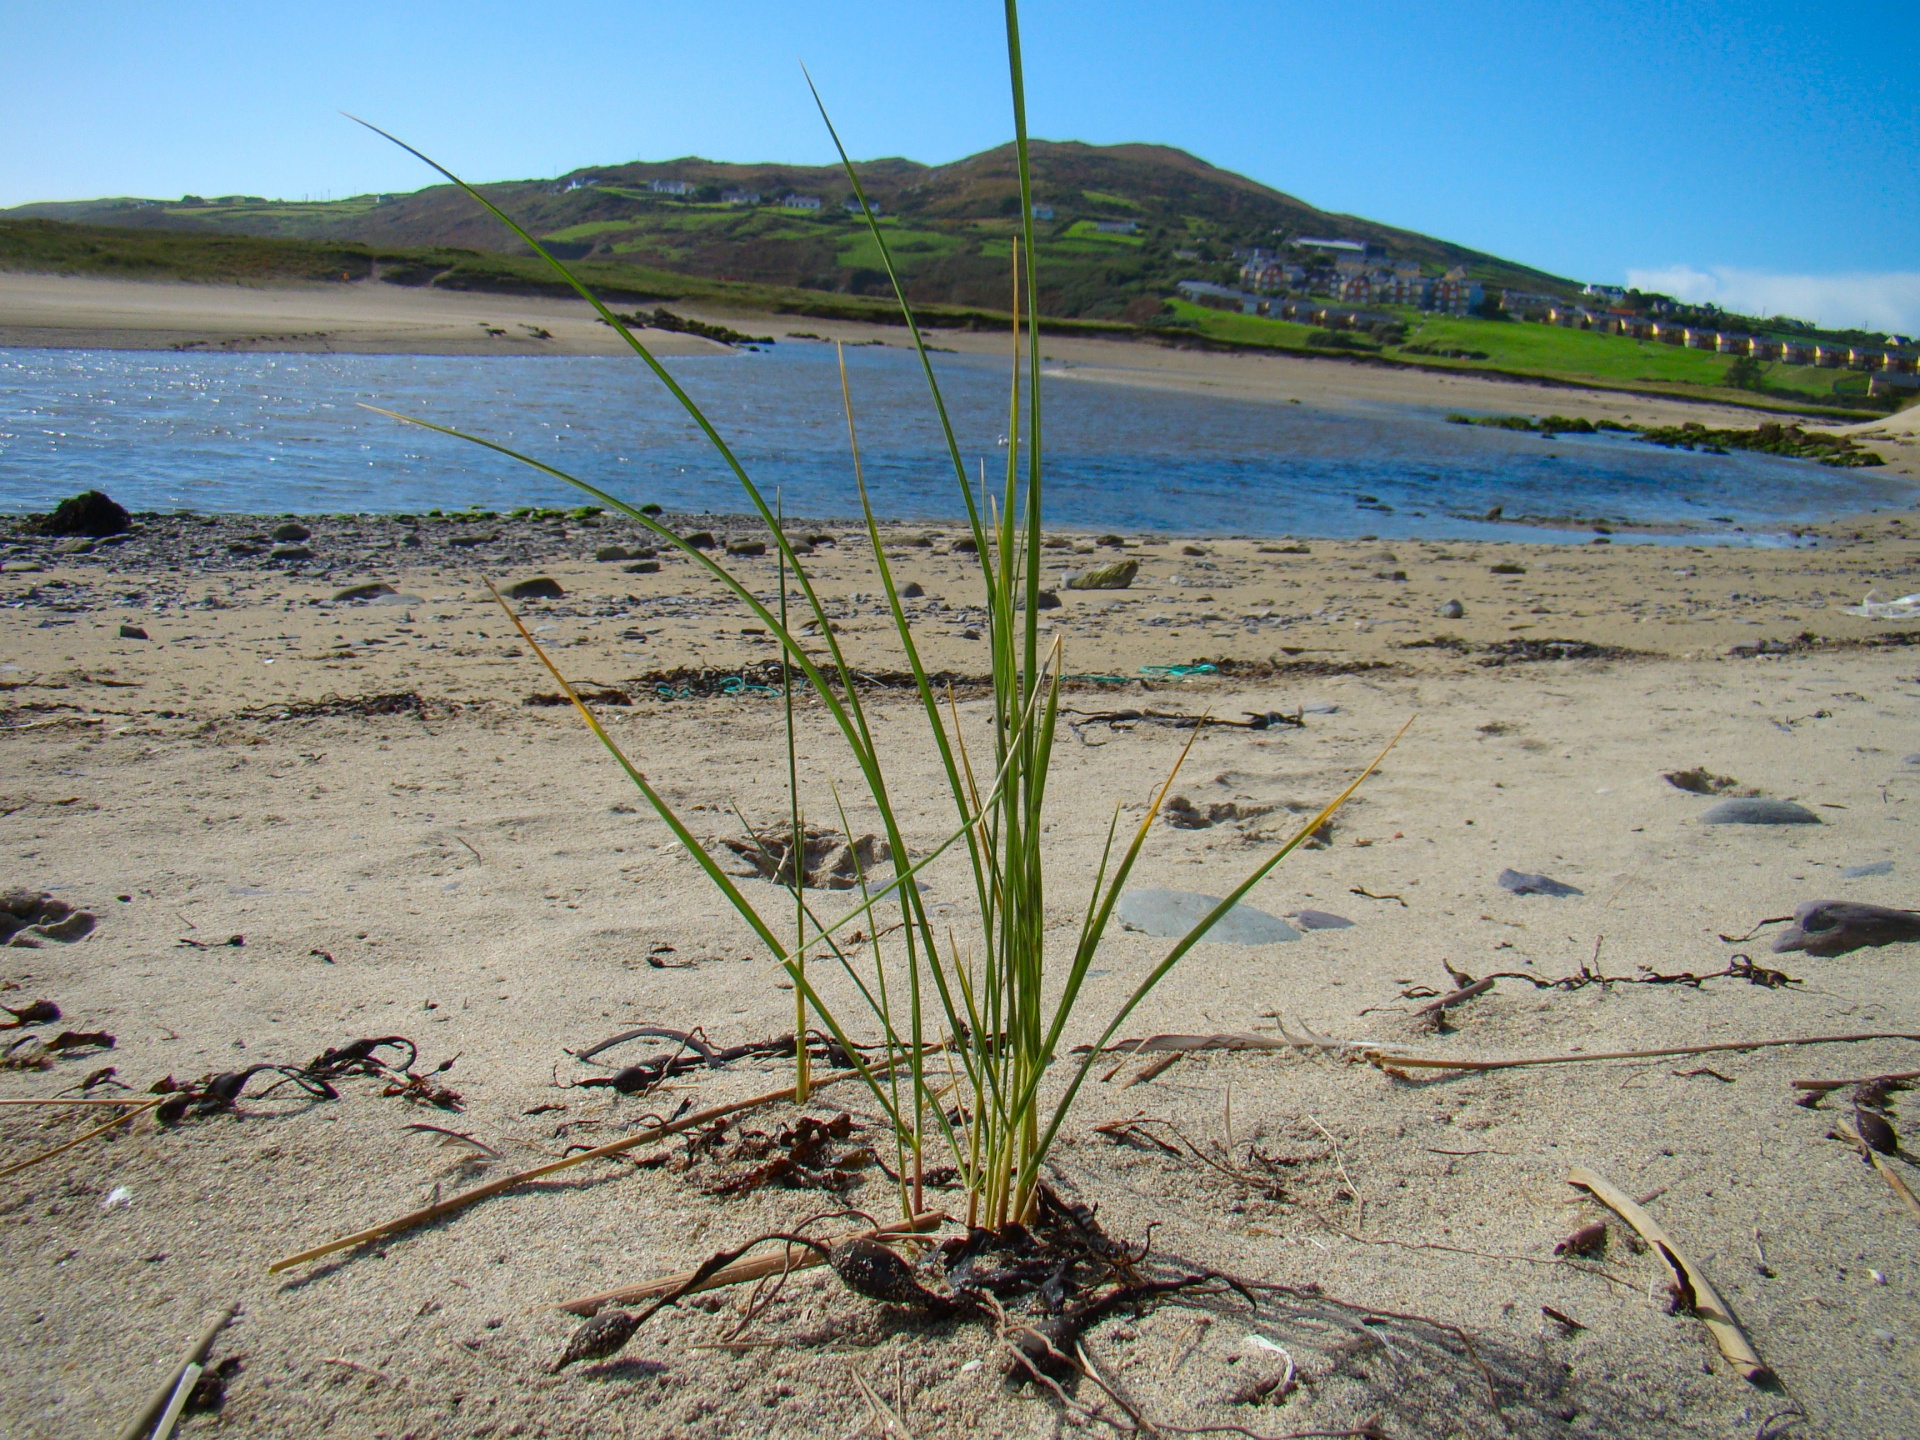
(1116, 576)
(1452, 610)
(92, 513)
(1752, 810)
(828, 860)
(1836, 927)
(1907, 607)
(1256, 720)
(692, 1051)
(143, 1424)
(1529, 651)
(1522, 883)
(600, 1338)
(1183, 814)
(745, 546)
(372, 590)
(800, 1157)
(1467, 989)
(29, 916)
(133, 632)
(292, 530)
(1589, 1239)
(540, 587)
(1170, 914)
(1699, 781)
(40, 1012)
(116, 1197)
(1506, 567)
(699, 540)
(126, 1115)
(607, 696)
(1691, 1291)
(1319, 920)
(290, 552)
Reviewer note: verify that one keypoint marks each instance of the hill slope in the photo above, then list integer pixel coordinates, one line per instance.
(949, 226)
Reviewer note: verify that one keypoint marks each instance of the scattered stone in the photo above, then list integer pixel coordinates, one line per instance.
(1861, 872)
(292, 530)
(1046, 600)
(1320, 920)
(1700, 781)
(290, 552)
(643, 567)
(1507, 567)
(540, 587)
(1171, 914)
(1751, 810)
(965, 545)
(468, 542)
(372, 590)
(912, 590)
(701, 540)
(397, 598)
(133, 632)
(1183, 814)
(78, 545)
(244, 547)
(1452, 610)
(1521, 883)
(610, 554)
(1117, 576)
(91, 513)
(1834, 927)
(746, 547)
(1112, 542)
(922, 542)
(1193, 550)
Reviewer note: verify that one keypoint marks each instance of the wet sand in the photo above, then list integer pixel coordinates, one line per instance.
(473, 873)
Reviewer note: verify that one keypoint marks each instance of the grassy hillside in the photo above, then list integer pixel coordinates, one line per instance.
(951, 224)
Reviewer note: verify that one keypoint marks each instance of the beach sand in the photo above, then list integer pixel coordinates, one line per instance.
(476, 875)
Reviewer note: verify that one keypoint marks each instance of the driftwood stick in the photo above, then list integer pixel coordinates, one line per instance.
(141, 1425)
(85, 1100)
(1823, 1086)
(508, 1182)
(1689, 1279)
(121, 1119)
(741, 1271)
(1458, 997)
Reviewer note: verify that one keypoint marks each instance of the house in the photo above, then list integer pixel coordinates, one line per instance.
(1727, 344)
(1117, 227)
(1889, 382)
(1219, 297)
(1268, 274)
(1612, 294)
(1455, 294)
(1696, 337)
(1527, 304)
(852, 205)
(1795, 352)
(1829, 356)
(670, 187)
(739, 197)
(800, 202)
(1357, 287)
(585, 182)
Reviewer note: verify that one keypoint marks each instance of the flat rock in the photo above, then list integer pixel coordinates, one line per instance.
(132, 632)
(1170, 914)
(373, 590)
(292, 530)
(1521, 883)
(1834, 927)
(1751, 810)
(290, 552)
(540, 587)
(1117, 576)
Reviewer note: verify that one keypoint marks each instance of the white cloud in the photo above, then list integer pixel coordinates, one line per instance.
(1889, 300)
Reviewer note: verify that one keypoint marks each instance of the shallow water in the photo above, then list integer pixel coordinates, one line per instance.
(263, 433)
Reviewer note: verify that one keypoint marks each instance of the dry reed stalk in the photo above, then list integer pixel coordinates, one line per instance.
(120, 1119)
(741, 1272)
(1388, 1059)
(84, 1100)
(141, 1425)
(1690, 1282)
(1899, 1187)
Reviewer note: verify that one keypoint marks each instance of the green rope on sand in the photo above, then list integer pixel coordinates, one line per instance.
(1177, 672)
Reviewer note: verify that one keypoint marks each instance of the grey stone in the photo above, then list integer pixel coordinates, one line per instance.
(292, 530)
(290, 552)
(746, 547)
(700, 539)
(132, 632)
(372, 590)
(1861, 872)
(643, 567)
(1834, 927)
(540, 587)
(1452, 610)
(78, 545)
(1117, 576)
(1751, 810)
(1171, 914)
(912, 590)
(610, 554)
(1521, 883)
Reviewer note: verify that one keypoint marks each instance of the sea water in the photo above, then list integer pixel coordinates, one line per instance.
(285, 433)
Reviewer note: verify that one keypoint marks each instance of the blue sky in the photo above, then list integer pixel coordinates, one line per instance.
(1760, 153)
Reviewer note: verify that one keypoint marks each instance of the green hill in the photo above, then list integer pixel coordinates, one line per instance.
(950, 226)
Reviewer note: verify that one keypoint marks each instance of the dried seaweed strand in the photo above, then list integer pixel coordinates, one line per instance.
(740, 1272)
(1690, 1279)
(1847, 1133)
(508, 1182)
(1387, 1058)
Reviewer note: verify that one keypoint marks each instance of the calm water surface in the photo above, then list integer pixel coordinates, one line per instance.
(283, 433)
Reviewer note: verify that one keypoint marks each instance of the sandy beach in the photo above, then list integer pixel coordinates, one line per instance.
(281, 861)
(315, 788)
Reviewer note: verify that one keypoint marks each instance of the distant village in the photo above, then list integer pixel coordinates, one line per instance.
(1328, 282)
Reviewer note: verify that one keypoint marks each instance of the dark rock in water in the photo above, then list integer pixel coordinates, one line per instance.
(292, 530)
(290, 552)
(370, 591)
(132, 632)
(1834, 927)
(1523, 884)
(1170, 914)
(1320, 920)
(540, 587)
(1699, 781)
(91, 513)
(1749, 810)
